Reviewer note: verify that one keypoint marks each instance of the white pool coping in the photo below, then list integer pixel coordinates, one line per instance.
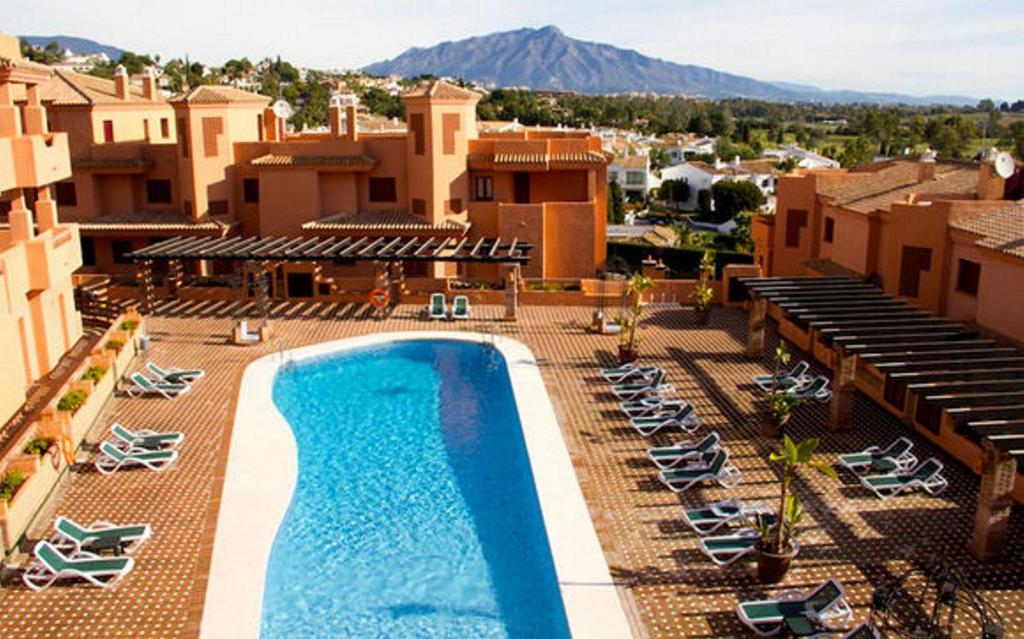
(262, 471)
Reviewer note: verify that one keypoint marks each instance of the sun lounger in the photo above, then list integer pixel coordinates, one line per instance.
(460, 308)
(722, 550)
(113, 458)
(175, 375)
(710, 518)
(438, 308)
(71, 538)
(142, 385)
(816, 389)
(147, 439)
(242, 336)
(927, 475)
(800, 614)
(51, 565)
(649, 405)
(896, 456)
(620, 374)
(670, 456)
(655, 385)
(794, 378)
(685, 418)
(718, 469)
(863, 631)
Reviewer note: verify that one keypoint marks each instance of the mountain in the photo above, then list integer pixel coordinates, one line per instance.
(81, 46)
(546, 58)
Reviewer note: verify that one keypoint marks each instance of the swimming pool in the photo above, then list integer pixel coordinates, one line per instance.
(415, 512)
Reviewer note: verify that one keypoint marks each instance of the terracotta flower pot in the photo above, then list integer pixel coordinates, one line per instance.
(772, 567)
(703, 315)
(627, 354)
(772, 428)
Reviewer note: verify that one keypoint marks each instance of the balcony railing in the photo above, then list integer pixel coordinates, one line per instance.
(39, 160)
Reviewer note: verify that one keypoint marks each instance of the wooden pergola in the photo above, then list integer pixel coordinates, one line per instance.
(261, 254)
(952, 384)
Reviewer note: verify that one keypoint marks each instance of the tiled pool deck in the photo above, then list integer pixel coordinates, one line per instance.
(670, 588)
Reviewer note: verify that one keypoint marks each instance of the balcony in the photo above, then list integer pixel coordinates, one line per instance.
(39, 160)
(53, 255)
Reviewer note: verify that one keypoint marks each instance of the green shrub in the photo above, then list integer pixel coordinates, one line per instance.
(129, 325)
(114, 345)
(9, 485)
(71, 401)
(94, 373)
(39, 445)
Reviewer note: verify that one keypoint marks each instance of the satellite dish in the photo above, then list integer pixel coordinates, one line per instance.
(282, 109)
(1005, 166)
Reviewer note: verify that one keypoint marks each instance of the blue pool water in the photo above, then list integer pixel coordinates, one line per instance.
(415, 513)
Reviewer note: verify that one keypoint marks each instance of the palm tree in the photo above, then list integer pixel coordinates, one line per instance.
(790, 512)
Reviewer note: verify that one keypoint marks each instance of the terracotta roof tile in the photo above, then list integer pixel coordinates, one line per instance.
(217, 94)
(443, 91)
(631, 162)
(381, 220)
(1001, 230)
(273, 159)
(880, 189)
(156, 221)
(68, 87)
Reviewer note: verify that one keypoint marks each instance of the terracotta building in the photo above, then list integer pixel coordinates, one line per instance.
(217, 161)
(38, 321)
(946, 235)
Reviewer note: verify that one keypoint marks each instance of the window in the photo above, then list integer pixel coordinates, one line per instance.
(88, 251)
(158, 191)
(454, 206)
(165, 128)
(212, 128)
(251, 190)
(914, 259)
(108, 131)
(66, 194)
(416, 126)
(183, 137)
(450, 124)
(259, 127)
(830, 229)
(635, 178)
(120, 250)
(145, 130)
(218, 207)
(968, 274)
(419, 207)
(796, 220)
(521, 188)
(484, 188)
(382, 190)
(186, 207)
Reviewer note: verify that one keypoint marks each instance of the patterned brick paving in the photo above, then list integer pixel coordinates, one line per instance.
(672, 589)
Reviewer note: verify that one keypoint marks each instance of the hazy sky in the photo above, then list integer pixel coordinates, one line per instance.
(910, 46)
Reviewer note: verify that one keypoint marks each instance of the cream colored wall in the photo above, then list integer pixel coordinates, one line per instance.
(128, 122)
(1001, 295)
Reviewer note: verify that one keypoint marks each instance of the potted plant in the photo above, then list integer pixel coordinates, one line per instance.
(702, 291)
(629, 341)
(779, 404)
(777, 546)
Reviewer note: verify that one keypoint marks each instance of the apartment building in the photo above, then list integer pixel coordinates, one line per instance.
(38, 253)
(217, 161)
(946, 235)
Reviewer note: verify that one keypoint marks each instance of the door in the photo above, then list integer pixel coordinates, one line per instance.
(914, 259)
(521, 188)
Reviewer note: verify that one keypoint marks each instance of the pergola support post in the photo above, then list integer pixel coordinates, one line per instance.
(144, 275)
(995, 502)
(512, 278)
(843, 378)
(755, 328)
(397, 269)
(174, 277)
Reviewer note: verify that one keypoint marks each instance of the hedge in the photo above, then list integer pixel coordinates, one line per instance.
(682, 262)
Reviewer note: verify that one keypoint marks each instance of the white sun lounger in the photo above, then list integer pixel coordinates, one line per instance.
(710, 518)
(70, 537)
(51, 565)
(685, 418)
(142, 385)
(670, 456)
(718, 469)
(927, 476)
(113, 458)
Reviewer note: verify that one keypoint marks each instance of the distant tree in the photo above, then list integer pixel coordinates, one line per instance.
(1017, 106)
(986, 105)
(704, 201)
(743, 221)
(674, 191)
(659, 158)
(860, 150)
(50, 54)
(380, 101)
(616, 206)
(1004, 107)
(731, 197)
(1013, 140)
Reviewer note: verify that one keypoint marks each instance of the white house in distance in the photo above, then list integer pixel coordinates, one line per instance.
(633, 173)
(805, 159)
(701, 176)
(683, 147)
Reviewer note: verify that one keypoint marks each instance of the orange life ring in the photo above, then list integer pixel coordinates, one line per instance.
(379, 298)
(68, 447)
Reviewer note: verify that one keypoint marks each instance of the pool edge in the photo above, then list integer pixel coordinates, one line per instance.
(254, 501)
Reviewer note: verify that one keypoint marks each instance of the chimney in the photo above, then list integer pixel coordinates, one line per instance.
(990, 185)
(926, 166)
(149, 84)
(121, 82)
(342, 114)
(269, 125)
